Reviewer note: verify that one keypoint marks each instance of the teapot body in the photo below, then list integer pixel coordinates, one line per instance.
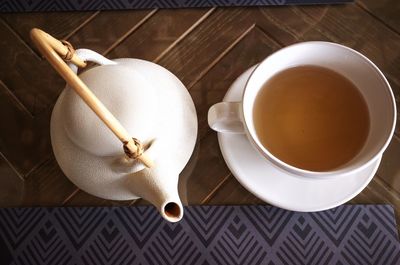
(153, 105)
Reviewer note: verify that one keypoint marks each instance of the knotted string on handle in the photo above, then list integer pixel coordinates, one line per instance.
(57, 52)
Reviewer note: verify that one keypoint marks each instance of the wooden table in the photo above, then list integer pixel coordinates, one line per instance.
(207, 49)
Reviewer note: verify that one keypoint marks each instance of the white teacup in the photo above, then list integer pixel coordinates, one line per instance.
(237, 117)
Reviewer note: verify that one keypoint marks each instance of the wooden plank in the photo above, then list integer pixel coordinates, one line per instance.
(205, 170)
(233, 193)
(58, 24)
(81, 198)
(38, 93)
(387, 11)
(248, 50)
(34, 93)
(193, 55)
(189, 58)
(11, 103)
(378, 192)
(47, 185)
(389, 170)
(24, 140)
(11, 185)
(106, 28)
(157, 34)
(284, 24)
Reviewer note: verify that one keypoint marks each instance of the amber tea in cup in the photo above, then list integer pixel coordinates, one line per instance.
(315, 110)
(311, 117)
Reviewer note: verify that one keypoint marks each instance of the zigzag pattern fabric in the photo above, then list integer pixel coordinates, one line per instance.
(81, 5)
(350, 234)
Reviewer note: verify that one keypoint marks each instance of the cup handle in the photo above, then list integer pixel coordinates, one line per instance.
(225, 117)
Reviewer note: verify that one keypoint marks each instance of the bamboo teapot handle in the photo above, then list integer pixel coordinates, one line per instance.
(56, 52)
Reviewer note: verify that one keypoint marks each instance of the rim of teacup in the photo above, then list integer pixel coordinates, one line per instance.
(252, 136)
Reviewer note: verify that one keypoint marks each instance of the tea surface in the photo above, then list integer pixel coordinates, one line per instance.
(311, 118)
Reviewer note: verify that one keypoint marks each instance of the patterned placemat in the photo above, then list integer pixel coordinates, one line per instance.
(85, 5)
(351, 234)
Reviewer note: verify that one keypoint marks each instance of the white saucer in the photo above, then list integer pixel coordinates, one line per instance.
(277, 187)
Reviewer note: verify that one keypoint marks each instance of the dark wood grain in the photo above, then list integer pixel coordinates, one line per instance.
(81, 198)
(389, 170)
(207, 49)
(47, 185)
(107, 28)
(245, 51)
(60, 24)
(16, 70)
(386, 11)
(159, 32)
(190, 58)
(12, 185)
(205, 171)
(233, 193)
(24, 139)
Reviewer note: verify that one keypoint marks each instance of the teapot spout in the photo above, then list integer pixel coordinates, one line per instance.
(160, 188)
(172, 211)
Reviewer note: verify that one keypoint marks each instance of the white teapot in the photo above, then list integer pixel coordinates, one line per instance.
(152, 105)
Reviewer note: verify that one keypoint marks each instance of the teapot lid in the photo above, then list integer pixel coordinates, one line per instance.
(107, 176)
(128, 95)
